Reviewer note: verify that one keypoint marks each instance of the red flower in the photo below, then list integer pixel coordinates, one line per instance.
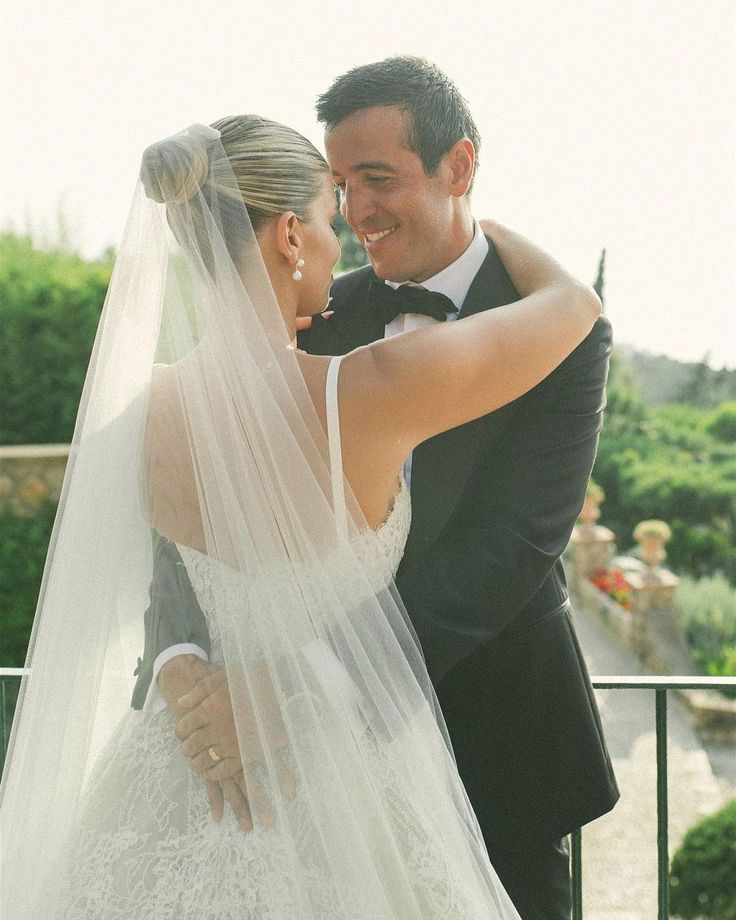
(612, 583)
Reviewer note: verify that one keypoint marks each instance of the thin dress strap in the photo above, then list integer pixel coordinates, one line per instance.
(333, 438)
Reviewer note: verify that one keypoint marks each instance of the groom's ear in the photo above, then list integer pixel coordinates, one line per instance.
(460, 163)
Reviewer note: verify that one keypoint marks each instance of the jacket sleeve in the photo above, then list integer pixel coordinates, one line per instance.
(173, 616)
(516, 516)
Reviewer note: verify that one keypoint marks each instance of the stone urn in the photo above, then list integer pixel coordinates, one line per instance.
(651, 537)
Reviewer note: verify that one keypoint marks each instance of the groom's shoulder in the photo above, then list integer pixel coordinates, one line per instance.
(351, 288)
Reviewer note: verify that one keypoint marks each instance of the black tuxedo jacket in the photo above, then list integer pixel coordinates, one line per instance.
(493, 506)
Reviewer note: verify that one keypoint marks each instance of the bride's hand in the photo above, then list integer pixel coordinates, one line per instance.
(178, 676)
(210, 726)
(305, 322)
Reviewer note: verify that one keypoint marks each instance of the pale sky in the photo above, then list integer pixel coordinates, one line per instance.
(604, 123)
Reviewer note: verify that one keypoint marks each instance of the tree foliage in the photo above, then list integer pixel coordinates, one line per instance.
(675, 463)
(50, 304)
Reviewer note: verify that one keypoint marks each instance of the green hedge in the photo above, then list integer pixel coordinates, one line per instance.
(50, 303)
(703, 870)
(22, 555)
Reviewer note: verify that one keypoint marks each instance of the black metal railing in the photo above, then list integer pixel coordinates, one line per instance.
(10, 679)
(660, 686)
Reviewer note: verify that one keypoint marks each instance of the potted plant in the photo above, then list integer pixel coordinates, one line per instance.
(651, 537)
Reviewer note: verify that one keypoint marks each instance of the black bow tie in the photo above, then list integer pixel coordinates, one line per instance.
(409, 298)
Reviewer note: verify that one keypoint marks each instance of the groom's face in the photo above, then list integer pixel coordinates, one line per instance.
(402, 216)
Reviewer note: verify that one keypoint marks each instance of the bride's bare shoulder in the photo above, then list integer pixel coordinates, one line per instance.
(166, 421)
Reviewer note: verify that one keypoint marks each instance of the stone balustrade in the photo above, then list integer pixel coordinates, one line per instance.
(30, 475)
(650, 627)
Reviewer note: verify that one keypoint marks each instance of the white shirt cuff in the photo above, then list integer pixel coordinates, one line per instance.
(155, 701)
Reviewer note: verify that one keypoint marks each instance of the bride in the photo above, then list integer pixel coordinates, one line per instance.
(278, 477)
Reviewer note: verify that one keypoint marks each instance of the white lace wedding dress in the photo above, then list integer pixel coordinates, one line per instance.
(148, 848)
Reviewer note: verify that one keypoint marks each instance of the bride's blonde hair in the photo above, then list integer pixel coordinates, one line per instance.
(275, 168)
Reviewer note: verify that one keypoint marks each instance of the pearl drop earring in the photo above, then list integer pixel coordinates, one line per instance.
(297, 276)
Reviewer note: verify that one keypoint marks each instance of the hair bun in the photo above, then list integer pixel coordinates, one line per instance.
(175, 169)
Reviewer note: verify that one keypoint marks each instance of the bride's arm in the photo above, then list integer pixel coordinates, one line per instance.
(427, 381)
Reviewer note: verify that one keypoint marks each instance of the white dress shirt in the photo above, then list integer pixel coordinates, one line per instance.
(454, 282)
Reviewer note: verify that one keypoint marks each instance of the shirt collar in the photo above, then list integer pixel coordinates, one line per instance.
(455, 280)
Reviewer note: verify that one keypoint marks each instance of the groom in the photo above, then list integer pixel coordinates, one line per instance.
(493, 502)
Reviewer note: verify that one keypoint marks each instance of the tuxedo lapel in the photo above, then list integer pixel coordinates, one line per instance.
(361, 327)
(355, 322)
(439, 471)
(491, 287)
(441, 466)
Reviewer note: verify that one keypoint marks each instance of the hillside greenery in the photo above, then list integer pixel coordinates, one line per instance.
(661, 380)
(675, 462)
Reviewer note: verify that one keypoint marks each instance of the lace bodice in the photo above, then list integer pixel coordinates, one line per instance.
(383, 547)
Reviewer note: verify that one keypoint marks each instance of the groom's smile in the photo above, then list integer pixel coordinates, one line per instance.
(371, 238)
(410, 223)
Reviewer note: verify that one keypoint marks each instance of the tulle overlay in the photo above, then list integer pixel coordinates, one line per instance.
(149, 848)
(196, 423)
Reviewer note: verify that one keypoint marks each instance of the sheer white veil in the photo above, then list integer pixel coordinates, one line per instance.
(195, 422)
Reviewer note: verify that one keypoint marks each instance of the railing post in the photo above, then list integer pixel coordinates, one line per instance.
(663, 855)
(576, 860)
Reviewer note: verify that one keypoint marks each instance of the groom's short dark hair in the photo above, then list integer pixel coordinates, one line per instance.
(439, 113)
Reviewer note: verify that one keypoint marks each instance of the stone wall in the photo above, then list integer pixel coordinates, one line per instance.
(30, 475)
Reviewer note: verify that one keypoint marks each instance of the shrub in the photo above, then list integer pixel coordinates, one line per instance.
(721, 423)
(703, 870)
(22, 556)
(50, 304)
(707, 611)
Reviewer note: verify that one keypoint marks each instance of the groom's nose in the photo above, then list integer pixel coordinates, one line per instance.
(357, 205)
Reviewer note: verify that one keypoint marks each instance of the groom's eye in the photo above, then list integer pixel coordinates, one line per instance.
(376, 180)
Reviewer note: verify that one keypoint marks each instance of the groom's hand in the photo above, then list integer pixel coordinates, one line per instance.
(209, 728)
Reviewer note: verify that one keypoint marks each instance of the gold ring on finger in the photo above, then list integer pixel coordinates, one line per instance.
(214, 755)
